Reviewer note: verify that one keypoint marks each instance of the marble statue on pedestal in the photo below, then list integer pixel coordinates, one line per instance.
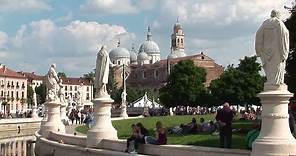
(272, 45)
(102, 72)
(62, 92)
(52, 83)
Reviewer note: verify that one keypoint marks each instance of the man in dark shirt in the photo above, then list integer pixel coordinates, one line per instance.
(224, 117)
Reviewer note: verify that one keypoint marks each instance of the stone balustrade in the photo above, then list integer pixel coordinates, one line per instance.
(11, 128)
(63, 144)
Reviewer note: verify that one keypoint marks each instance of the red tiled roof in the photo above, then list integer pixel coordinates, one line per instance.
(75, 81)
(6, 72)
(32, 76)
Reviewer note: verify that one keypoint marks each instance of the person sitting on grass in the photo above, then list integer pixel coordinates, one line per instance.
(190, 127)
(204, 126)
(160, 136)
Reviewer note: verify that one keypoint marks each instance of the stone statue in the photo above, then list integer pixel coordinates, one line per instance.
(62, 93)
(123, 97)
(102, 72)
(52, 83)
(272, 46)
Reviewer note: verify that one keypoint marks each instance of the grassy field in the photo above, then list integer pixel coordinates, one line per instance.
(124, 130)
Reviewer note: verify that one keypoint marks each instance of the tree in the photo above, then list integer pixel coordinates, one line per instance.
(29, 95)
(239, 85)
(89, 76)
(41, 93)
(62, 74)
(291, 61)
(184, 85)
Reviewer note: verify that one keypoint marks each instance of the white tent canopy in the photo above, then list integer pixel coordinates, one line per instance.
(145, 102)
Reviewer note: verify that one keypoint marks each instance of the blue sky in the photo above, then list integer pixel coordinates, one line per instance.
(37, 33)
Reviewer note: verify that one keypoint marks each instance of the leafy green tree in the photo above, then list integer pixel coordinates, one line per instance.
(62, 74)
(239, 85)
(291, 61)
(29, 95)
(89, 76)
(41, 93)
(184, 86)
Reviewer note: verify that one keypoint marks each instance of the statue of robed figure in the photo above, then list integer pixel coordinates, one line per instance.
(272, 45)
(102, 72)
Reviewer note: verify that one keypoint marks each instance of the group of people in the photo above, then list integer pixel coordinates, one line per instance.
(140, 135)
(81, 116)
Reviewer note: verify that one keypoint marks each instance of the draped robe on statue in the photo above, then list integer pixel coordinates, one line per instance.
(272, 45)
(102, 72)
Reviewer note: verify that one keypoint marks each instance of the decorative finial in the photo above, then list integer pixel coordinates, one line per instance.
(149, 34)
(118, 43)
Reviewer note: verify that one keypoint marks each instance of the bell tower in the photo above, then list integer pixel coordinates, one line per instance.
(177, 38)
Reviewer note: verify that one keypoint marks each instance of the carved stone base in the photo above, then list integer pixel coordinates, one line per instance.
(103, 128)
(275, 138)
(34, 112)
(123, 112)
(64, 117)
(53, 122)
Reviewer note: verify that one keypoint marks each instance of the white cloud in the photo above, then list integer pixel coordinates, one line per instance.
(73, 46)
(21, 5)
(116, 6)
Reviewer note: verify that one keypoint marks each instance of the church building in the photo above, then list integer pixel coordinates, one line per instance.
(146, 68)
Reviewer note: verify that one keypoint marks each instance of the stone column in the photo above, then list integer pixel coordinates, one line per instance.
(275, 138)
(103, 128)
(34, 110)
(54, 122)
(14, 148)
(24, 148)
(19, 147)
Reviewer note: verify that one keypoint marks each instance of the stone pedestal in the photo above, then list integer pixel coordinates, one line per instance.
(53, 122)
(44, 120)
(34, 112)
(275, 138)
(123, 113)
(64, 117)
(103, 128)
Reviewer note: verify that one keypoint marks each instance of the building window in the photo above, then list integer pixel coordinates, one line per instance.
(87, 96)
(75, 88)
(66, 94)
(12, 94)
(144, 75)
(70, 88)
(178, 40)
(2, 93)
(7, 93)
(17, 96)
(182, 40)
(66, 88)
(12, 85)
(23, 95)
(87, 89)
(8, 84)
(118, 62)
(156, 73)
(17, 85)
(202, 57)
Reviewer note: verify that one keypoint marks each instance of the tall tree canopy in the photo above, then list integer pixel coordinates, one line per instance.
(62, 74)
(41, 93)
(184, 85)
(239, 85)
(29, 95)
(291, 61)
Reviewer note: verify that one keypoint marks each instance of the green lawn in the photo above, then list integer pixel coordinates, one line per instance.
(124, 130)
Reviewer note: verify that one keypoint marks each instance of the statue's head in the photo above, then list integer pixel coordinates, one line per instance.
(275, 13)
(53, 65)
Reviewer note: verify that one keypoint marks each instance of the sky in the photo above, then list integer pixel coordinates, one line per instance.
(36, 33)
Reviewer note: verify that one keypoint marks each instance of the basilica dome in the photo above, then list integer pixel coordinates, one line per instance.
(149, 47)
(119, 52)
(142, 56)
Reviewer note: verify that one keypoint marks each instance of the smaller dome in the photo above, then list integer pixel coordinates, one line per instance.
(172, 56)
(143, 56)
(133, 56)
(119, 52)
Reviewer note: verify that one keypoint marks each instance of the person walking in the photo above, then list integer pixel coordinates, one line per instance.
(224, 118)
